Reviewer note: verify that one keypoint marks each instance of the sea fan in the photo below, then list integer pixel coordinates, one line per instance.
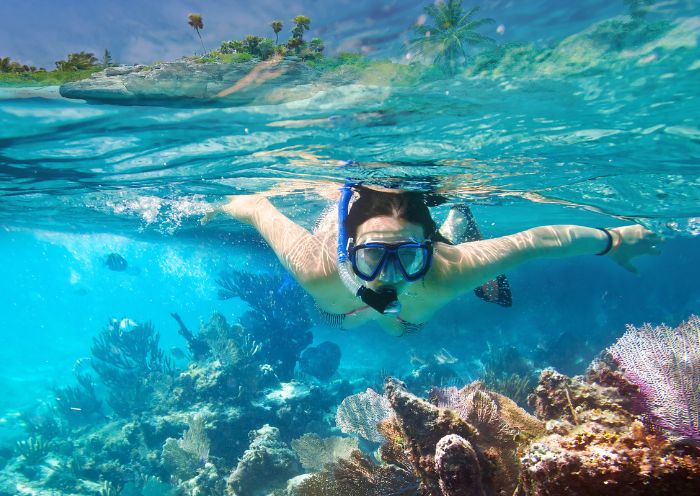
(665, 364)
(360, 414)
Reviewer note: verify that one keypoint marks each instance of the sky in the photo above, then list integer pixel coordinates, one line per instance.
(39, 32)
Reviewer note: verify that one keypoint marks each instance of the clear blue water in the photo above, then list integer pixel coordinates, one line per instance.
(615, 144)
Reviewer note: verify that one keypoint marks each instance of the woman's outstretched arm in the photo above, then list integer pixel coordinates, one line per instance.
(304, 255)
(468, 265)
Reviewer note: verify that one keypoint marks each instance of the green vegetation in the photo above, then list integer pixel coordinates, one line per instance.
(76, 66)
(256, 47)
(447, 39)
(77, 62)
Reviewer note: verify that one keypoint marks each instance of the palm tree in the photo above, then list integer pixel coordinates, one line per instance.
(301, 24)
(5, 64)
(453, 30)
(276, 27)
(195, 20)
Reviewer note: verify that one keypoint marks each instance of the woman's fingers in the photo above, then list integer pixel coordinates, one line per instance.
(208, 217)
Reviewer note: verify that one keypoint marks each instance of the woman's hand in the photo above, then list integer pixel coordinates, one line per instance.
(240, 207)
(633, 241)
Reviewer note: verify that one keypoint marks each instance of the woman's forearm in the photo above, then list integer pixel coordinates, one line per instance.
(569, 240)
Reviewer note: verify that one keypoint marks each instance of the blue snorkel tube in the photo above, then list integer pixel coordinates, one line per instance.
(385, 302)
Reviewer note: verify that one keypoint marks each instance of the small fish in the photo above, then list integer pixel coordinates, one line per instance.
(443, 357)
(177, 353)
(126, 325)
(116, 262)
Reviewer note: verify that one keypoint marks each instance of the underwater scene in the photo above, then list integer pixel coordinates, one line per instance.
(350, 248)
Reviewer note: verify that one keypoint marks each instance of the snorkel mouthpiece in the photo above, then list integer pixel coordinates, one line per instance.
(384, 301)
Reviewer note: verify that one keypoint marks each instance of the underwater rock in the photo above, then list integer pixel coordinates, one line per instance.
(186, 82)
(266, 465)
(561, 398)
(299, 407)
(423, 425)
(457, 467)
(320, 361)
(503, 427)
(599, 447)
(208, 481)
(114, 261)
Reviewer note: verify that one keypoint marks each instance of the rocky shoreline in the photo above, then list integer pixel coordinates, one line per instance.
(186, 82)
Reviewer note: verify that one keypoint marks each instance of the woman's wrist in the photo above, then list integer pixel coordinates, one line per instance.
(613, 239)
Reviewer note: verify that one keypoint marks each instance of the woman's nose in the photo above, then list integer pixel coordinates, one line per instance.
(390, 273)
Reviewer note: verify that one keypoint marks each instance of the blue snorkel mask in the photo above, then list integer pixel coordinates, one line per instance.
(367, 261)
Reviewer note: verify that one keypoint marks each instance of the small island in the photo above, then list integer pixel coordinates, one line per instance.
(448, 41)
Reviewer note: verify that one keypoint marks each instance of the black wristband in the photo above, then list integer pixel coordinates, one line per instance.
(610, 242)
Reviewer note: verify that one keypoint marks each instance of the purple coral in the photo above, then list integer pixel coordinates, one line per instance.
(665, 364)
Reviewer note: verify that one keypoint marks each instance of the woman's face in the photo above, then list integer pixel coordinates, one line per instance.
(386, 229)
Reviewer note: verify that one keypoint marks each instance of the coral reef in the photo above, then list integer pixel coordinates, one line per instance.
(130, 363)
(457, 467)
(228, 424)
(267, 464)
(276, 319)
(598, 443)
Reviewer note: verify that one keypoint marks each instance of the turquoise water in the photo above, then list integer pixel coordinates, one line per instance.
(586, 138)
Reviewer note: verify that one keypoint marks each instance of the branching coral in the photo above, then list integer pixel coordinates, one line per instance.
(128, 362)
(665, 364)
(33, 449)
(276, 320)
(78, 403)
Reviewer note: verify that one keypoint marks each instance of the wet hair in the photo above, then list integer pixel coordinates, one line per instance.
(411, 206)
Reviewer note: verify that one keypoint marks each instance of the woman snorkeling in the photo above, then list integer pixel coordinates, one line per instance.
(382, 258)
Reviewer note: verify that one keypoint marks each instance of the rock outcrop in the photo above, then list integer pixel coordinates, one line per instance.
(186, 82)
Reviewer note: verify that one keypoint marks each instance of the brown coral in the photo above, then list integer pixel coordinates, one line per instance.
(457, 467)
(601, 448)
(423, 425)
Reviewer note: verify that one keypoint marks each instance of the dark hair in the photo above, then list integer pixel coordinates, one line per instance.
(407, 205)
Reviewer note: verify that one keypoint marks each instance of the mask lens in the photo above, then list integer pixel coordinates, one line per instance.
(412, 259)
(368, 259)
